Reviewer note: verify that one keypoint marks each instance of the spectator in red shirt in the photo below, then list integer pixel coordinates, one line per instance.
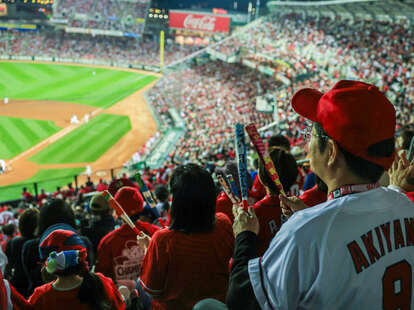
(70, 192)
(223, 203)
(268, 209)
(189, 260)
(75, 286)
(41, 196)
(119, 256)
(58, 194)
(101, 186)
(316, 194)
(26, 196)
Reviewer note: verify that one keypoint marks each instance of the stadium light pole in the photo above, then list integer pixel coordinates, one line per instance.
(257, 9)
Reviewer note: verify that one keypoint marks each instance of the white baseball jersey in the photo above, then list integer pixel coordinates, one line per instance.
(353, 252)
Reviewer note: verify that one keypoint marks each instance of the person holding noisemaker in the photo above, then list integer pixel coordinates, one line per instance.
(119, 256)
(146, 193)
(264, 156)
(223, 202)
(149, 198)
(233, 187)
(366, 228)
(241, 154)
(189, 260)
(119, 211)
(227, 189)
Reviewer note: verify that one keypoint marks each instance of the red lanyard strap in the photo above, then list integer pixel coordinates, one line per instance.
(351, 189)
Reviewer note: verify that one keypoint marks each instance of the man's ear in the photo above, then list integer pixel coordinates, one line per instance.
(333, 152)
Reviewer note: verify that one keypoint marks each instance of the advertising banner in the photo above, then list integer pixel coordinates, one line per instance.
(199, 22)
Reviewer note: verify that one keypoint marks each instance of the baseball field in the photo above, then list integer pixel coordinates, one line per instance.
(57, 119)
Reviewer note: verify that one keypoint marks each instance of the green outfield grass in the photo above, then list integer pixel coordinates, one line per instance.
(19, 134)
(48, 179)
(67, 83)
(86, 143)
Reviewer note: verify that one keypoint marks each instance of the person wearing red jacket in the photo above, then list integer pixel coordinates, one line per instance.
(189, 260)
(223, 202)
(316, 194)
(74, 287)
(268, 209)
(119, 256)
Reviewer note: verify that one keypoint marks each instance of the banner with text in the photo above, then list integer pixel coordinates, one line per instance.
(199, 22)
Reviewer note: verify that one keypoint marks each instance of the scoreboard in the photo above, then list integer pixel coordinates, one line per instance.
(25, 9)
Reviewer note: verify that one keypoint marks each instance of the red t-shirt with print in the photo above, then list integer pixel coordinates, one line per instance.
(46, 297)
(268, 212)
(313, 196)
(118, 256)
(182, 269)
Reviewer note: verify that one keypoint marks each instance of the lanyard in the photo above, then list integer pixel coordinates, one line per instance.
(351, 189)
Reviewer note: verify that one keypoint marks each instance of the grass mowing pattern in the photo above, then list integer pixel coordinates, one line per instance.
(74, 84)
(20, 134)
(86, 143)
(48, 179)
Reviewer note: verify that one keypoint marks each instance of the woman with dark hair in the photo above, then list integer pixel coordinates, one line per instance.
(27, 227)
(54, 215)
(75, 286)
(189, 260)
(268, 209)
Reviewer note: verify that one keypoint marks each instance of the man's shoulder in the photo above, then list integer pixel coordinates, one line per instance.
(320, 217)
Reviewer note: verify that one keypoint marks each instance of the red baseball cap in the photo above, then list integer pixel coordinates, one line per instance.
(354, 114)
(118, 183)
(130, 200)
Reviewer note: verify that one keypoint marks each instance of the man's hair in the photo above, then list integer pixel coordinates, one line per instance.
(57, 211)
(406, 136)
(193, 199)
(287, 170)
(279, 140)
(28, 222)
(357, 165)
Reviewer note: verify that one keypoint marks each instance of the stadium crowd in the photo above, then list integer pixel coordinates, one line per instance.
(280, 253)
(80, 46)
(308, 52)
(104, 15)
(51, 246)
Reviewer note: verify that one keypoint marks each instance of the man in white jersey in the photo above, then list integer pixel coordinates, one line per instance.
(355, 251)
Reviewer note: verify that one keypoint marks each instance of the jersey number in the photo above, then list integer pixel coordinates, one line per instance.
(396, 286)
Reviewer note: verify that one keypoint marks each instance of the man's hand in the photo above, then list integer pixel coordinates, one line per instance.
(245, 221)
(290, 205)
(402, 173)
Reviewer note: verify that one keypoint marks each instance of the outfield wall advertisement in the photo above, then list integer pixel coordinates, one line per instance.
(199, 22)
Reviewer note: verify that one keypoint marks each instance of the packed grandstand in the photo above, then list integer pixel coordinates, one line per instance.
(249, 76)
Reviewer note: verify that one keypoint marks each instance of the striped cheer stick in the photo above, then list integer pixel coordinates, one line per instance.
(241, 153)
(264, 156)
(146, 193)
(143, 188)
(411, 150)
(233, 187)
(119, 210)
(226, 189)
